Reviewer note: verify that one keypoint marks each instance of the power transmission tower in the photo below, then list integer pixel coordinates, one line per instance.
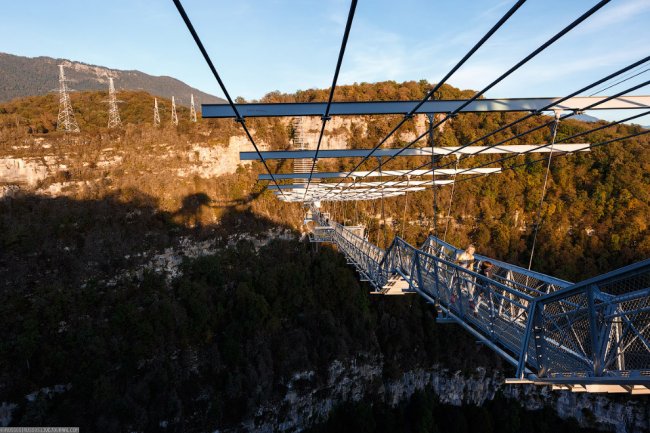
(156, 114)
(174, 116)
(114, 120)
(65, 121)
(192, 109)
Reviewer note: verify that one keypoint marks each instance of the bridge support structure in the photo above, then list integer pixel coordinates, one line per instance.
(591, 336)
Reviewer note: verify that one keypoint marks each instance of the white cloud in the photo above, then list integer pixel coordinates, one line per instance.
(618, 13)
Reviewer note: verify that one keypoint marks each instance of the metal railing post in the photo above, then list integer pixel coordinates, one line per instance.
(523, 352)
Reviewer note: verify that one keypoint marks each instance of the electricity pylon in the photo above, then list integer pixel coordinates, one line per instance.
(192, 109)
(65, 121)
(114, 120)
(174, 116)
(156, 114)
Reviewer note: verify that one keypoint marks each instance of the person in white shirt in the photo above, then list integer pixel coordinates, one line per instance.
(465, 260)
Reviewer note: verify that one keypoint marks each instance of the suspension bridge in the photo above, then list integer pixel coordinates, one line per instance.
(589, 336)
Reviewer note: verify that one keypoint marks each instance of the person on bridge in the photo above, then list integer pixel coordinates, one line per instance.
(486, 269)
(465, 260)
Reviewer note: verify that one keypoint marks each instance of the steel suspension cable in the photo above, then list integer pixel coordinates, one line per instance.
(590, 131)
(621, 81)
(326, 116)
(383, 216)
(550, 122)
(356, 211)
(451, 200)
(541, 200)
(566, 116)
(506, 158)
(529, 57)
(433, 175)
(431, 92)
(533, 130)
(580, 134)
(591, 146)
(238, 117)
(406, 202)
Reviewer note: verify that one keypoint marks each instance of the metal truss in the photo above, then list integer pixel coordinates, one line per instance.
(315, 194)
(590, 336)
(346, 191)
(354, 174)
(387, 186)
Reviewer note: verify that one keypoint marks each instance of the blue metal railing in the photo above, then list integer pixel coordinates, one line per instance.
(553, 331)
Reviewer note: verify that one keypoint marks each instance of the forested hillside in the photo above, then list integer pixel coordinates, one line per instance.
(595, 213)
(141, 290)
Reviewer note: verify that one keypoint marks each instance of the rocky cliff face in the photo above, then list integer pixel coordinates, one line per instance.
(197, 159)
(307, 402)
(339, 128)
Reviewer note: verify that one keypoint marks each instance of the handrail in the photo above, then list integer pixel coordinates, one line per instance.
(553, 329)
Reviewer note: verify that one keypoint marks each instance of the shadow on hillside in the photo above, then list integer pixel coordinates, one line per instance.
(235, 327)
(66, 241)
(249, 198)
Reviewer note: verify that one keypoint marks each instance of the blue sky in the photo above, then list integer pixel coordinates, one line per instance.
(261, 46)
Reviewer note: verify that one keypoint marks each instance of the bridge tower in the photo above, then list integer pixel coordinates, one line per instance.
(192, 109)
(114, 120)
(174, 116)
(65, 120)
(156, 114)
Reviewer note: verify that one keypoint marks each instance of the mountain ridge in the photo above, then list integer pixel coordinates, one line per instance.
(31, 76)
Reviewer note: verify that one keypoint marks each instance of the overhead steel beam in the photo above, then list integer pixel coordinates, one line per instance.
(414, 151)
(357, 187)
(300, 197)
(384, 173)
(315, 196)
(435, 106)
(370, 192)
